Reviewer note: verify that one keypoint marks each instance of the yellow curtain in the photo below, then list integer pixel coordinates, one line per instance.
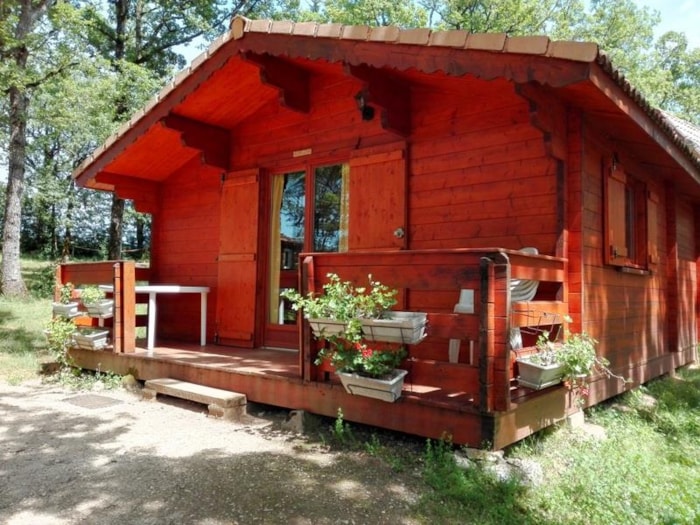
(344, 208)
(275, 248)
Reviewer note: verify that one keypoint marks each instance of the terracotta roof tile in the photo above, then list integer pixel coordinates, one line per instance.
(282, 27)
(487, 41)
(419, 37)
(455, 38)
(329, 30)
(305, 28)
(528, 45)
(569, 50)
(384, 34)
(355, 32)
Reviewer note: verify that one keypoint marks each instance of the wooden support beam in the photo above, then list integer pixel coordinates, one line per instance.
(386, 93)
(212, 141)
(144, 193)
(291, 80)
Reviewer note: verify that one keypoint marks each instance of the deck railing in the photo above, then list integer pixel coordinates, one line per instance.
(430, 281)
(122, 275)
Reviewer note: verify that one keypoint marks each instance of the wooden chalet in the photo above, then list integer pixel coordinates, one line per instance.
(427, 159)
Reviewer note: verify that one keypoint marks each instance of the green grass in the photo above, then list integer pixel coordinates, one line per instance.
(22, 342)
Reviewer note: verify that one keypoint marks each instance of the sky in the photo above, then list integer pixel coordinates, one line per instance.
(677, 15)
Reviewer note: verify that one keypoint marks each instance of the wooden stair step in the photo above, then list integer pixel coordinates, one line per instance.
(222, 403)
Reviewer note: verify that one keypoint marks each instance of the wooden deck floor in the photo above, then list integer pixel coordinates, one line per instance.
(273, 377)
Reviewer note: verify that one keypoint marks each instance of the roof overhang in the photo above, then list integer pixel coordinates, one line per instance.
(260, 62)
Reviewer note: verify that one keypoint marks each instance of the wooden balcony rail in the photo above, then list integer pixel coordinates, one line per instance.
(122, 275)
(430, 281)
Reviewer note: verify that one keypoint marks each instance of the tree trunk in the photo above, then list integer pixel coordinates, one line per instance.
(12, 283)
(114, 242)
(116, 228)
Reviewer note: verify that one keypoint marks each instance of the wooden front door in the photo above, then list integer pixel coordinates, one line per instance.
(236, 303)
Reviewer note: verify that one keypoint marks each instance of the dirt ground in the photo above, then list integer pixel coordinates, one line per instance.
(109, 458)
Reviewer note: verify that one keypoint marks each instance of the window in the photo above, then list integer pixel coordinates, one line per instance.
(630, 219)
(309, 213)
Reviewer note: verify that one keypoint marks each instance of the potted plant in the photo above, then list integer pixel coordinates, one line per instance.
(66, 306)
(93, 298)
(91, 338)
(573, 361)
(366, 371)
(343, 308)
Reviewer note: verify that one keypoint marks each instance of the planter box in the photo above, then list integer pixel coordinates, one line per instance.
(327, 327)
(66, 310)
(537, 376)
(91, 338)
(388, 390)
(400, 327)
(104, 308)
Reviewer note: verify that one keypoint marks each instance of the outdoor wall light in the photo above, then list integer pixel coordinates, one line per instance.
(366, 110)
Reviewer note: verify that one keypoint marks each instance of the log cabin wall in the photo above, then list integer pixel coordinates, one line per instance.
(636, 315)
(186, 228)
(479, 165)
(687, 277)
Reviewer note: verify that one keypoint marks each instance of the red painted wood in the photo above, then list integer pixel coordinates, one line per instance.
(237, 282)
(378, 201)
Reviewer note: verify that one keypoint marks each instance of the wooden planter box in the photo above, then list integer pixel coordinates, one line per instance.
(388, 390)
(399, 327)
(536, 376)
(66, 310)
(91, 338)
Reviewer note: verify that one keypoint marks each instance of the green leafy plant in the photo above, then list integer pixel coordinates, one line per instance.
(342, 301)
(91, 295)
(59, 334)
(577, 356)
(65, 293)
(359, 358)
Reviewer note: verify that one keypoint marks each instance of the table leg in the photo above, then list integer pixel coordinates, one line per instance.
(151, 321)
(203, 319)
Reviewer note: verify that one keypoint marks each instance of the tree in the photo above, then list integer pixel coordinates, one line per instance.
(374, 12)
(25, 33)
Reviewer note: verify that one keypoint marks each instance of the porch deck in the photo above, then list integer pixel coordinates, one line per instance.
(472, 398)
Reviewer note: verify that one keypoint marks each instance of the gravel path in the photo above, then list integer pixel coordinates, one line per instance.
(109, 458)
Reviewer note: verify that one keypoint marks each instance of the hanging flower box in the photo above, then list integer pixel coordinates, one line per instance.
(65, 309)
(91, 338)
(538, 376)
(384, 389)
(327, 327)
(103, 308)
(398, 327)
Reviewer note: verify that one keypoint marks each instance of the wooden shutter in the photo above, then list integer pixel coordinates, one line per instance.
(377, 201)
(238, 248)
(616, 218)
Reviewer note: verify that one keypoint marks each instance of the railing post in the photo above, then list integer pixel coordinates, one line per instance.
(305, 341)
(124, 329)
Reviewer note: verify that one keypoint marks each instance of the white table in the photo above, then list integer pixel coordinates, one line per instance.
(153, 290)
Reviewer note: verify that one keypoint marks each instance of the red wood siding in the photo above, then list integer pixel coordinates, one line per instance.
(187, 248)
(626, 312)
(687, 277)
(480, 166)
